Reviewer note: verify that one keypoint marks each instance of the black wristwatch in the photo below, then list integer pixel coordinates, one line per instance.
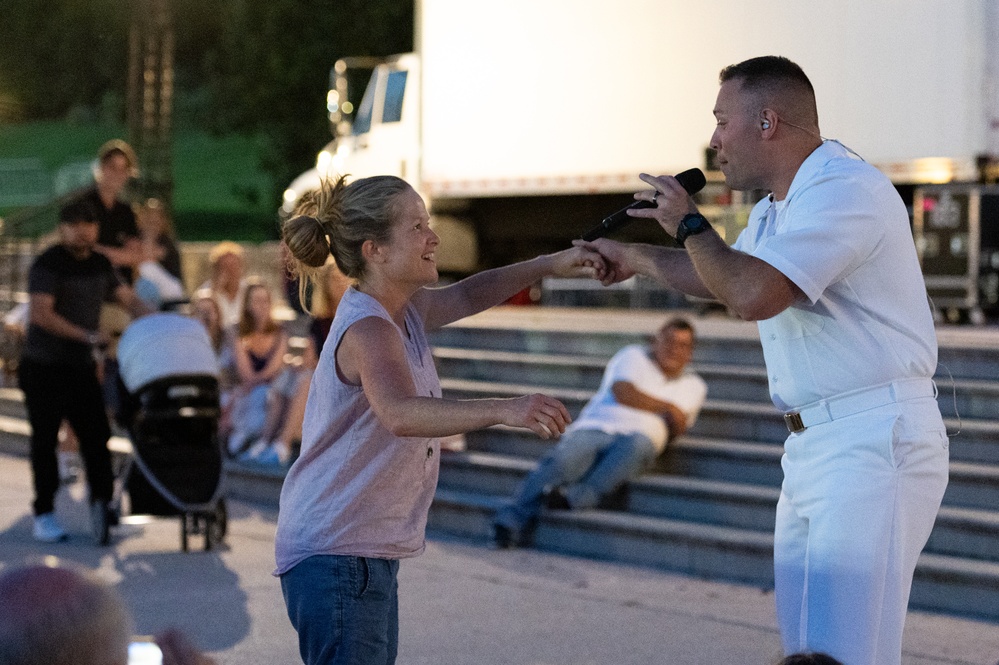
(691, 225)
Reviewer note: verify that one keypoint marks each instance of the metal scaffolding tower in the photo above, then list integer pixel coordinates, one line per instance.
(150, 96)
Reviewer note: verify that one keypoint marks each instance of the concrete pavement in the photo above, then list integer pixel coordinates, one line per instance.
(461, 603)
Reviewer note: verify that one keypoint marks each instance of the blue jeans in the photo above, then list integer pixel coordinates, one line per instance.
(589, 464)
(345, 609)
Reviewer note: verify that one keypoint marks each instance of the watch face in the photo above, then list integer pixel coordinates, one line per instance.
(691, 224)
(695, 224)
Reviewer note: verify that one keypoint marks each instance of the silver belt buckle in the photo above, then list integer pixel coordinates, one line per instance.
(793, 422)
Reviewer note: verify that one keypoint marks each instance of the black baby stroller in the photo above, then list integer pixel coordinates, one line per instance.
(171, 409)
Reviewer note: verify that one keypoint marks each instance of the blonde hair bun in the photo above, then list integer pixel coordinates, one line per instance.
(307, 241)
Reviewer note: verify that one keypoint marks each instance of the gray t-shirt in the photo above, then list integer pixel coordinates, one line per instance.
(357, 489)
(80, 287)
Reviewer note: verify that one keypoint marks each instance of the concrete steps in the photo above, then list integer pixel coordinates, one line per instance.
(974, 452)
(959, 531)
(707, 509)
(942, 583)
(708, 506)
(968, 398)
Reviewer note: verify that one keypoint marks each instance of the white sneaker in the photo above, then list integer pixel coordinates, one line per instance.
(236, 443)
(48, 530)
(276, 454)
(70, 465)
(255, 451)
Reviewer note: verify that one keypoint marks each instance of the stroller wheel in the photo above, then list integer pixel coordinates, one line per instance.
(216, 525)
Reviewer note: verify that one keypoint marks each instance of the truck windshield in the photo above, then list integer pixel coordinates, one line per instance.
(362, 121)
(395, 89)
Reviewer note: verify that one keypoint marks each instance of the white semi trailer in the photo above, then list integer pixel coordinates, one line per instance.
(524, 122)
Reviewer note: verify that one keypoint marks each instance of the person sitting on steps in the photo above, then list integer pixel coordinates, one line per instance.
(646, 397)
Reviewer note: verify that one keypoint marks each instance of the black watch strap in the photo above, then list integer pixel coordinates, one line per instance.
(691, 224)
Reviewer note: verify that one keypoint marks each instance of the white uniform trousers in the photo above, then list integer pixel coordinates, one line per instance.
(857, 505)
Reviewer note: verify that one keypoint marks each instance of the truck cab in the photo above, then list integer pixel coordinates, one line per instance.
(381, 136)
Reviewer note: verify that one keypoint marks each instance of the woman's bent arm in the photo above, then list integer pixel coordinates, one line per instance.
(371, 355)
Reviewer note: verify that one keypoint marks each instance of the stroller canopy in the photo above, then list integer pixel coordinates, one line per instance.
(162, 345)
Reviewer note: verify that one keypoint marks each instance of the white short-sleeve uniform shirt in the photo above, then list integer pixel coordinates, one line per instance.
(842, 236)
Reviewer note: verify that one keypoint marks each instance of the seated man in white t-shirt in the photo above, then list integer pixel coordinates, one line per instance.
(646, 397)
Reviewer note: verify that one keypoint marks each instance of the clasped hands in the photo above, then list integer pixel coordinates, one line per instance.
(618, 261)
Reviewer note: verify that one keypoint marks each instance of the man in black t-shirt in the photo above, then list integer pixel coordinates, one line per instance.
(67, 285)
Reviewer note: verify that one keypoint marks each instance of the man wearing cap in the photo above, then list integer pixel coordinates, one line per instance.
(67, 284)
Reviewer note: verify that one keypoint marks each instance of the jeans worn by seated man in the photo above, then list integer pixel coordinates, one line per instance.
(646, 397)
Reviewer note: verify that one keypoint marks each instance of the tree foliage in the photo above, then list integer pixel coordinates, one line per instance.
(269, 70)
(59, 55)
(257, 67)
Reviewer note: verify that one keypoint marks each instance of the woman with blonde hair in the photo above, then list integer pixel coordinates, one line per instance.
(227, 262)
(356, 500)
(260, 347)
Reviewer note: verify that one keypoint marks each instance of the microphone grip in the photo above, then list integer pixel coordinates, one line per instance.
(692, 180)
(615, 221)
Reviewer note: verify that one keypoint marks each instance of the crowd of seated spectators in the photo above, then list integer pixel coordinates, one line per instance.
(265, 364)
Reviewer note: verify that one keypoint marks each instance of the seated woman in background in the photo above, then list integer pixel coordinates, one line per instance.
(159, 280)
(158, 240)
(286, 403)
(260, 347)
(227, 262)
(282, 430)
(206, 309)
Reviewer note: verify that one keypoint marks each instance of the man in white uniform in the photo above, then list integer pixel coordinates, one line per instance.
(828, 268)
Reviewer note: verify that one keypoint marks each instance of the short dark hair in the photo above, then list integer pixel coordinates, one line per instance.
(678, 323)
(77, 211)
(766, 71)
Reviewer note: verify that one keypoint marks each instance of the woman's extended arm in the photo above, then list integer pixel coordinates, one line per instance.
(440, 306)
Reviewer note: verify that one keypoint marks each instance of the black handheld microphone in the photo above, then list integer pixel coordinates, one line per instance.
(691, 180)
